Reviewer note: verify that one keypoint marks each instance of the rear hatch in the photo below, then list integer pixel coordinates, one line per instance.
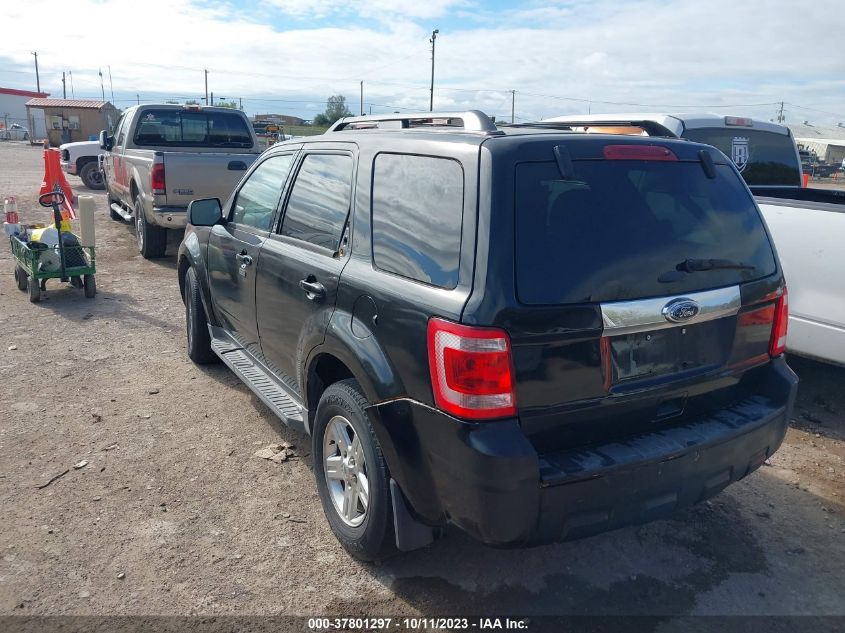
(645, 283)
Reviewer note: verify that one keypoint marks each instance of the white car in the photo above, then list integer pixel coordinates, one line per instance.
(15, 132)
(80, 159)
(808, 225)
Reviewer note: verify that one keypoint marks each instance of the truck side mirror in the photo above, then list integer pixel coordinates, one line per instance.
(205, 212)
(106, 140)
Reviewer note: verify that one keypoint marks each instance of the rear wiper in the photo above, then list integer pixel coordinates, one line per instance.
(699, 265)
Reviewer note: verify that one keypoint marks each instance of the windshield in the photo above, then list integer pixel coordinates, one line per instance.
(622, 229)
(182, 128)
(763, 158)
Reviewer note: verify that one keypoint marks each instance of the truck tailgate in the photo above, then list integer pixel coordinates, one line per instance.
(193, 175)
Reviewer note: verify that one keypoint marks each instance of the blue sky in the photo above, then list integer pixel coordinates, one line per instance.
(288, 56)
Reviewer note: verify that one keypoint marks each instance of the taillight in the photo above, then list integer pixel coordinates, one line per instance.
(777, 345)
(638, 152)
(157, 183)
(471, 370)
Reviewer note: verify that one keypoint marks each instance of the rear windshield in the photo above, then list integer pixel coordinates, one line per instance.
(621, 229)
(763, 158)
(192, 129)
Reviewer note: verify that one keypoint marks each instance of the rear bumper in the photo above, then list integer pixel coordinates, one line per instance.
(68, 167)
(170, 217)
(487, 478)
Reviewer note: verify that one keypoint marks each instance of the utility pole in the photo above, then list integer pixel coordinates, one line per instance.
(72, 93)
(781, 118)
(64, 86)
(111, 86)
(102, 87)
(37, 76)
(432, 40)
(513, 104)
(362, 98)
(206, 86)
(212, 97)
(138, 98)
(241, 102)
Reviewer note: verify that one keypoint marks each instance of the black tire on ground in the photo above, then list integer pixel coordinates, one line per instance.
(196, 322)
(373, 538)
(20, 278)
(25, 136)
(91, 175)
(152, 240)
(89, 282)
(34, 290)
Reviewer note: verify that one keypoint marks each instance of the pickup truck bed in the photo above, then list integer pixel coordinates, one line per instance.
(808, 226)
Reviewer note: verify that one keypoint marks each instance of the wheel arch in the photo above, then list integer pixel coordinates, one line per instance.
(190, 257)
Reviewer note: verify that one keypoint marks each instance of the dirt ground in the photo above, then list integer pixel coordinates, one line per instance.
(172, 514)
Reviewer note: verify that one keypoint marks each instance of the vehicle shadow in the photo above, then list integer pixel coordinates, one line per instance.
(70, 303)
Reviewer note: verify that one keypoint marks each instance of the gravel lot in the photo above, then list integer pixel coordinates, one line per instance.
(174, 515)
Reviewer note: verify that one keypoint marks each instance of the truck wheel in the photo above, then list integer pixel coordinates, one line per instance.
(199, 340)
(91, 175)
(352, 477)
(89, 282)
(20, 278)
(152, 240)
(34, 290)
(25, 136)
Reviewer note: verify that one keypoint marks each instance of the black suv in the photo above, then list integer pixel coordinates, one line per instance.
(530, 334)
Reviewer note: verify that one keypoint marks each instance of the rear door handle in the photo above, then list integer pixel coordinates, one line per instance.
(314, 290)
(243, 258)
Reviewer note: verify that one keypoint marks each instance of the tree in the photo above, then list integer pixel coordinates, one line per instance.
(335, 109)
(192, 102)
(228, 104)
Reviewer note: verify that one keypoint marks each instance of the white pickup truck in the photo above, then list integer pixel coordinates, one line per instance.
(163, 156)
(808, 225)
(80, 159)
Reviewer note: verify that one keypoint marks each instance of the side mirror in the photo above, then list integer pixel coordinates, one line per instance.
(205, 212)
(106, 140)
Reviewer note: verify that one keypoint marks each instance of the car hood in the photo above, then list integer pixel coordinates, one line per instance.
(81, 145)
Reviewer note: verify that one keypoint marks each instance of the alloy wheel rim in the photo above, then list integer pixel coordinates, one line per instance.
(345, 468)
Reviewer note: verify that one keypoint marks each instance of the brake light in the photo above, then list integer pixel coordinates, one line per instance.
(777, 345)
(471, 370)
(739, 121)
(638, 152)
(157, 183)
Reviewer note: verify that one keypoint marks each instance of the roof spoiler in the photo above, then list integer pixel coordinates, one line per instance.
(650, 127)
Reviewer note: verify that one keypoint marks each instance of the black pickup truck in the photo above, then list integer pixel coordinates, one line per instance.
(529, 335)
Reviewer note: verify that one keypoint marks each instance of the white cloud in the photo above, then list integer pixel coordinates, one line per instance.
(684, 52)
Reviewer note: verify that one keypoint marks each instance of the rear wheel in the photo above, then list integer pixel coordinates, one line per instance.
(91, 175)
(34, 290)
(20, 278)
(25, 136)
(352, 477)
(89, 282)
(152, 240)
(196, 322)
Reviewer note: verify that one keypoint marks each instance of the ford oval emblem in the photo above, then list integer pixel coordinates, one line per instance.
(680, 310)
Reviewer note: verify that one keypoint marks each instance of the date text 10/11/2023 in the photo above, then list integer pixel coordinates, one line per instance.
(413, 623)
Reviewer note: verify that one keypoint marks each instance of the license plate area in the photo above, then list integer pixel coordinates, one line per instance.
(669, 351)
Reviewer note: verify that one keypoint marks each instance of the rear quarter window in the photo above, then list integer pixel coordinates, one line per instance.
(417, 216)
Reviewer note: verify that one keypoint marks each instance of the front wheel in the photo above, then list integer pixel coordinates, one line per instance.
(199, 340)
(352, 477)
(91, 175)
(152, 240)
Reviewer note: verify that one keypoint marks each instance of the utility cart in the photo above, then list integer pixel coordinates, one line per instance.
(36, 262)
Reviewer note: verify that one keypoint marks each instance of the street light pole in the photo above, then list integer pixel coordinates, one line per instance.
(432, 40)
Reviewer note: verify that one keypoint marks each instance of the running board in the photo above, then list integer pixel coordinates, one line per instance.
(270, 392)
(117, 208)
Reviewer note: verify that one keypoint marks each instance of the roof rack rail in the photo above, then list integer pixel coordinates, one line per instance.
(470, 121)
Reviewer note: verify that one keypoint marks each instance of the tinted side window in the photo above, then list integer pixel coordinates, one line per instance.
(763, 158)
(417, 214)
(319, 201)
(258, 197)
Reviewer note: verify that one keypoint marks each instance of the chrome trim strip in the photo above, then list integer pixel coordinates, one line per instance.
(643, 315)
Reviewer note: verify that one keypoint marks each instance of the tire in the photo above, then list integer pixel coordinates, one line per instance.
(196, 323)
(34, 290)
(26, 136)
(91, 175)
(364, 529)
(152, 240)
(20, 278)
(89, 282)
